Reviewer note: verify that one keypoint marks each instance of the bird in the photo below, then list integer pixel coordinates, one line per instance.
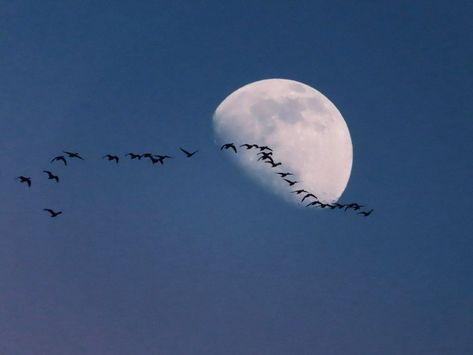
(354, 206)
(291, 183)
(314, 203)
(163, 157)
(53, 213)
(228, 146)
(111, 157)
(59, 158)
(249, 146)
(324, 205)
(25, 179)
(187, 153)
(366, 214)
(273, 164)
(159, 159)
(265, 156)
(51, 176)
(283, 175)
(264, 147)
(309, 195)
(73, 155)
(338, 205)
(297, 192)
(134, 156)
(154, 160)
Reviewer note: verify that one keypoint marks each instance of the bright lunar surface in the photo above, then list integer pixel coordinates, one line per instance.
(306, 131)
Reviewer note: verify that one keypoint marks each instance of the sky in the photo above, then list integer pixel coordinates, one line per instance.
(194, 257)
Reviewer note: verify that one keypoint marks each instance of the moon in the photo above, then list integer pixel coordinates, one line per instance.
(306, 131)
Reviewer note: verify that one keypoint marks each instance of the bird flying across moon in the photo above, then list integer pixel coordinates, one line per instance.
(304, 129)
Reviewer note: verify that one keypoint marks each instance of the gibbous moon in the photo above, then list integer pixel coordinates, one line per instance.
(307, 133)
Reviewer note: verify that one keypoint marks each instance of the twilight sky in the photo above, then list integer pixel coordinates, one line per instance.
(194, 257)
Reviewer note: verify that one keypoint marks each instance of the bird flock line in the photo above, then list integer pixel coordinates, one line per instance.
(264, 154)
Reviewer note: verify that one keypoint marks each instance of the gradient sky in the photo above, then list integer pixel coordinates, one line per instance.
(194, 257)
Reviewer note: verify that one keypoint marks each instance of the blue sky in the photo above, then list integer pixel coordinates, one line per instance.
(193, 257)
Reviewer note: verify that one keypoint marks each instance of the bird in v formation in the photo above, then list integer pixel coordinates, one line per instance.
(265, 153)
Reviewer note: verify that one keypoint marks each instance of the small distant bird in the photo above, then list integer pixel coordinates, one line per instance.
(159, 159)
(309, 195)
(298, 192)
(111, 157)
(52, 213)
(163, 157)
(273, 164)
(249, 146)
(24, 179)
(51, 176)
(314, 203)
(59, 158)
(154, 160)
(366, 214)
(187, 153)
(338, 205)
(324, 205)
(134, 156)
(73, 155)
(228, 146)
(291, 183)
(353, 206)
(264, 147)
(265, 156)
(283, 175)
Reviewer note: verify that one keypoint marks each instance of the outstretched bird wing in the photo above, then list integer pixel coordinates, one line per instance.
(185, 151)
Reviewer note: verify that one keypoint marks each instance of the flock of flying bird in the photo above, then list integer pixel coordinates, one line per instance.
(265, 154)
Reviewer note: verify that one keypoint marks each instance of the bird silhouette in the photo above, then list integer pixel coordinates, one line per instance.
(264, 147)
(265, 156)
(314, 203)
(52, 213)
(59, 158)
(228, 146)
(283, 175)
(73, 155)
(338, 205)
(24, 179)
(291, 183)
(159, 159)
(353, 206)
(187, 153)
(154, 160)
(273, 164)
(134, 156)
(298, 192)
(366, 214)
(249, 146)
(51, 176)
(309, 195)
(111, 157)
(324, 205)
